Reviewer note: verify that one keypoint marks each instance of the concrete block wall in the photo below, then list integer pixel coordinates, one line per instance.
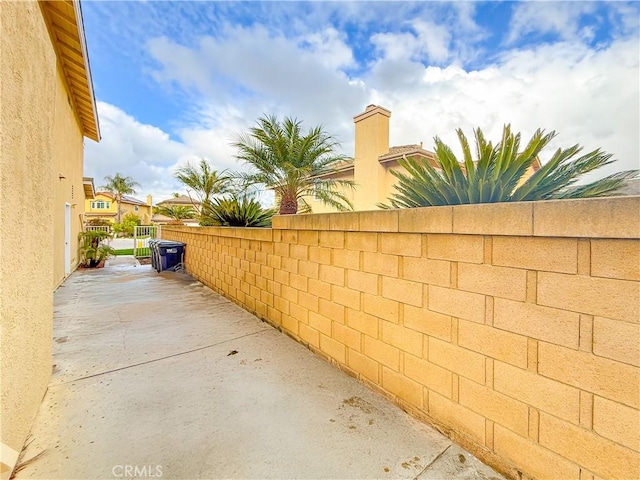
(513, 328)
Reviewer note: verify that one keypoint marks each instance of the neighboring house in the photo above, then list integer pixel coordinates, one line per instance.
(47, 108)
(373, 162)
(104, 206)
(182, 200)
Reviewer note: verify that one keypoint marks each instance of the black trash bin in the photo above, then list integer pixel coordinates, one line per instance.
(169, 254)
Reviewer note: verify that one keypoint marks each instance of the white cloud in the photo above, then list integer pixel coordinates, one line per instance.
(329, 48)
(427, 40)
(590, 96)
(143, 152)
(250, 71)
(559, 18)
(395, 46)
(435, 40)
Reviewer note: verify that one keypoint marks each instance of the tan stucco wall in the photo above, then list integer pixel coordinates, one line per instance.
(372, 179)
(39, 139)
(390, 180)
(144, 212)
(514, 328)
(28, 75)
(319, 207)
(68, 154)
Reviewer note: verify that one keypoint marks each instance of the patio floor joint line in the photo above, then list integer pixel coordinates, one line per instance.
(417, 477)
(158, 359)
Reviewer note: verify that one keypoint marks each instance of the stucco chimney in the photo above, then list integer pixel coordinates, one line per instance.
(371, 141)
(372, 131)
(149, 200)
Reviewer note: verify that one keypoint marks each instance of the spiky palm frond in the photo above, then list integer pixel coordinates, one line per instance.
(203, 180)
(496, 174)
(236, 212)
(289, 161)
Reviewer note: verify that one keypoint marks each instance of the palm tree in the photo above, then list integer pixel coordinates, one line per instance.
(293, 164)
(205, 182)
(177, 212)
(119, 186)
(237, 211)
(497, 173)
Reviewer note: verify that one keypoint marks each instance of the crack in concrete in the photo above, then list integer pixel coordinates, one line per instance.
(432, 462)
(161, 358)
(126, 329)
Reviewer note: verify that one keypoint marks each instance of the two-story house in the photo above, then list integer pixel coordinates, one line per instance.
(177, 200)
(105, 207)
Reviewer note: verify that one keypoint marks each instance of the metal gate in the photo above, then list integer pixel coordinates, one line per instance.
(141, 237)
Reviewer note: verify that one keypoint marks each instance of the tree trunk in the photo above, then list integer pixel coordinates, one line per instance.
(118, 200)
(288, 205)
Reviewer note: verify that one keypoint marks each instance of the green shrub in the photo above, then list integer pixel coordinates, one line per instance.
(126, 228)
(236, 212)
(92, 251)
(496, 174)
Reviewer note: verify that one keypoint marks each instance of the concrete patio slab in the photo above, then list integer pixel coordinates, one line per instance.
(156, 376)
(122, 261)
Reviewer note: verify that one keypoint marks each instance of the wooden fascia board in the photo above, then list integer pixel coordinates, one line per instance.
(79, 83)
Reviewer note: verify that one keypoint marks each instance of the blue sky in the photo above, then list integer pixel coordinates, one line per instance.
(176, 81)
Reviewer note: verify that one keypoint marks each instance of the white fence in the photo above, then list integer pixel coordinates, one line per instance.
(98, 228)
(141, 237)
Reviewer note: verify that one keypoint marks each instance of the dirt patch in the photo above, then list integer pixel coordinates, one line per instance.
(358, 402)
(86, 267)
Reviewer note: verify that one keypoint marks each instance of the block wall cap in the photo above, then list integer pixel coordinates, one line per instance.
(609, 217)
(514, 218)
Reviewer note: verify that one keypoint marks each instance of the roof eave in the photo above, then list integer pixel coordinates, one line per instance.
(337, 171)
(390, 157)
(64, 20)
(85, 55)
(89, 187)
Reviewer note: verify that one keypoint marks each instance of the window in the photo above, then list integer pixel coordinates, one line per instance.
(100, 205)
(136, 208)
(316, 188)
